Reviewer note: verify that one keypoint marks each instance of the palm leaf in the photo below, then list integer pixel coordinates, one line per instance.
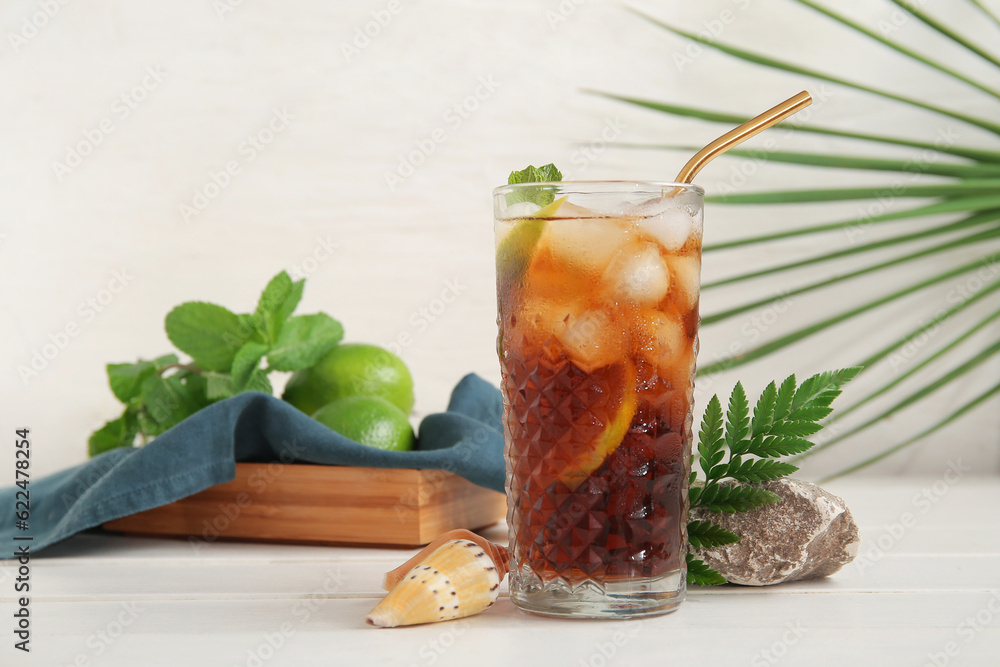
(955, 243)
(804, 332)
(844, 411)
(735, 119)
(947, 32)
(971, 221)
(967, 190)
(856, 162)
(961, 411)
(898, 47)
(792, 68)
(960, 205)
(986, 11)
(953, 189)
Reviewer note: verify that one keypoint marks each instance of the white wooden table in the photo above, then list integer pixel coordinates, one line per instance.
(925, 590)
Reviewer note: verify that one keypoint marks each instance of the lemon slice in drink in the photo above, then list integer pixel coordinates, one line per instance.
(611, 437)
(516, 249)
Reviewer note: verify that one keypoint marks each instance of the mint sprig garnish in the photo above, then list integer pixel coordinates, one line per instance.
(742, 451)
(226, 350)
(540, 195)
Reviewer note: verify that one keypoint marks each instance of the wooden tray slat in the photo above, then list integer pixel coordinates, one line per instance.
(325, 505)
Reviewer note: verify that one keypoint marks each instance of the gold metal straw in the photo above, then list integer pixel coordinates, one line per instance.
(742, 133)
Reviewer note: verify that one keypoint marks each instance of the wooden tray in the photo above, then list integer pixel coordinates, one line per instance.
(326, 505)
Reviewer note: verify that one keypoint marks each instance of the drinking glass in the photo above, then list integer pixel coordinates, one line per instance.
(597, 291)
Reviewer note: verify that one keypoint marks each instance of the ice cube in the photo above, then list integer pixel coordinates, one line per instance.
(521, 209)
(592, 340)
(665, 344)
(585, 245)
(685, 273)
(666, 221)
(638, 275)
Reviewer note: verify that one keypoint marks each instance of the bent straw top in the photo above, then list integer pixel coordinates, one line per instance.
(742, 133)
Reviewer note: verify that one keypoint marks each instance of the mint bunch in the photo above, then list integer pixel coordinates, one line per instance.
(226, 351)
(540, 195)
(746, 450)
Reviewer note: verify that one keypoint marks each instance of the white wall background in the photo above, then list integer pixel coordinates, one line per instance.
(321, 182)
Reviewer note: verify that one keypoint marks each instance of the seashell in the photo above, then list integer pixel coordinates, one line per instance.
(499, 555)
(458, 578)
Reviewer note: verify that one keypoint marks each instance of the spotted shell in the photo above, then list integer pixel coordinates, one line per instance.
(459, 578)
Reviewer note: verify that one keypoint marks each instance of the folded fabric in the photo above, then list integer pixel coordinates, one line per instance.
(203, 450)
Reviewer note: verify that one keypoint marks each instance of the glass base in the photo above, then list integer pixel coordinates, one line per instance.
(624, 599)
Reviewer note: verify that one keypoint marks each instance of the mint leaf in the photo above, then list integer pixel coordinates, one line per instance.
(207, 332)
(218, 386)
(541, 195)
(126, 379)
(271, 305)
(291, 301)
(699, 574)
(544, 174)
(116, 433)
(245, 362)
(165, 360)
(705, 535)
(304, 341)
(168, 401)
(258, 382)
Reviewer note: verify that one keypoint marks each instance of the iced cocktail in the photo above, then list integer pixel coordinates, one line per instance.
(598, 287)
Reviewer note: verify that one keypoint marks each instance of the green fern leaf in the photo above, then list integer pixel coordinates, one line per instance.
(706, 535)
(699, 574)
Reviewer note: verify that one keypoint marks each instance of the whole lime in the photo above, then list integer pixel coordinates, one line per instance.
(370, 420)
(352, 369)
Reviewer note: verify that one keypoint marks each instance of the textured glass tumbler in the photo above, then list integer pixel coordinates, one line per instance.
(597, 291)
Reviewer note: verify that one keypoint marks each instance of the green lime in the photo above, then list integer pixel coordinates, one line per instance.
(370, 420)
(353, 369)
(516, 249)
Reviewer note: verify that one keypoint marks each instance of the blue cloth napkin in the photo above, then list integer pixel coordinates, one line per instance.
(203, 450)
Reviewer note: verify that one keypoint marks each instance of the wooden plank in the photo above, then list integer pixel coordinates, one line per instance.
(324, 505)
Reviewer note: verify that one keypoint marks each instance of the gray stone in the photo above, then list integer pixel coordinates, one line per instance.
(810, 533)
